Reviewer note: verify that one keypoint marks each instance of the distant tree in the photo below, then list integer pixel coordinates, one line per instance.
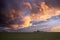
(38, 31)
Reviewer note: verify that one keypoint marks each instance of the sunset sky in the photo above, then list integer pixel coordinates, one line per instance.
(30, 15)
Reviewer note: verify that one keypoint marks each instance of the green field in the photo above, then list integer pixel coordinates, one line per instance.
(30, 36)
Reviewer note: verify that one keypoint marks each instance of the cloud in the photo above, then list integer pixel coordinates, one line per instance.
(14, 13)
(51, 25)
(19, 13)
(55, 29)
(53, 3)
(9, 12)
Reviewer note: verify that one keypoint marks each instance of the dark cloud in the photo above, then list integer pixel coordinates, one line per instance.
(53, 3)
(10, 10)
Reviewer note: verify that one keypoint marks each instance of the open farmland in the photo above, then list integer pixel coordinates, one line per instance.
(30, 36)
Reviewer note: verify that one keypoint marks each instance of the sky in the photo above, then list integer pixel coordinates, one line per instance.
(30, 15)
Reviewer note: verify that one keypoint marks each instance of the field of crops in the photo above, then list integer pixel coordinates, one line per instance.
(30, 36)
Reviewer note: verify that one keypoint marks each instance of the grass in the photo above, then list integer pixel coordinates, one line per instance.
(30, 36)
